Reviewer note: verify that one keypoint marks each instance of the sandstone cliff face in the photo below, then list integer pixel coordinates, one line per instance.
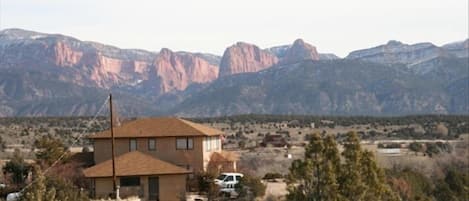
(397, 52)
(43, 74)
(243, 58)
(178, 70)
(300, 51)
(98, 65)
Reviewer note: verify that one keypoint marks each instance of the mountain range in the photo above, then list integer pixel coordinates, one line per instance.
(56, 75)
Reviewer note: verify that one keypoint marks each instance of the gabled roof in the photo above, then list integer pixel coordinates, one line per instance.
(134, 164)
(159, 127)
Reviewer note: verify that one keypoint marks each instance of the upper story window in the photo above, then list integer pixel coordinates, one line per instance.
(132, 144)
(152, 144)
(184, 143)
(212, 143)
(216, 139)
(208, 144)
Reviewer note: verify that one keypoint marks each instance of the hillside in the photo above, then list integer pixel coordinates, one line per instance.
(56, 75)
(338, 87)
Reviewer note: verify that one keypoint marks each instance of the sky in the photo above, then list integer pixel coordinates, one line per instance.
(336, 26)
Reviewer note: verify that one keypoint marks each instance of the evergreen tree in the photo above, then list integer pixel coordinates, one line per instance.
(375, 180)
(331, 152)
(351, 185)
(330, 168)
(298, 181)
(51, 189)
(315, 178)
(322, 177)
(37, 190)
(18, 168)
(50, 149)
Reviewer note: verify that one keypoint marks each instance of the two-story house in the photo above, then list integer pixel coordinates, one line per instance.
(154, 156)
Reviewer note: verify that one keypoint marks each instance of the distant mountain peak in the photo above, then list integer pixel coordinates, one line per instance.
(394, 43)
(397, 52)
(300, 51)
(20, 34)
(299, 41)
(242, 43)
(244, 57)
(17, 31)
(165, 51)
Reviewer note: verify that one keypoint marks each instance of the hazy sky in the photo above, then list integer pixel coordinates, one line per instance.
(212, 25)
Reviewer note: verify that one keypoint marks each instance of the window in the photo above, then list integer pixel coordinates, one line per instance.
(216, 144)
(212, 143)
(152, 144)
(238, 178)
(190, 143)
(133, 144)
(221, 177)
(184, 143)
(208, 144)
(229, 178)
(130, 181)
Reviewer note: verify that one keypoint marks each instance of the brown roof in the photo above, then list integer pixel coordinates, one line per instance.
(159, 127)
(134, 164)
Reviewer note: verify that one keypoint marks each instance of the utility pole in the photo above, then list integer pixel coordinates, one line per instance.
(112, 148)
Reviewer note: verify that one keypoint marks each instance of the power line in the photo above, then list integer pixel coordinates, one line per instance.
(73, 143)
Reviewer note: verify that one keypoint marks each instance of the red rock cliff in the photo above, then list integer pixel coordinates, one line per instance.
(178, 70)
(300, 51)
(243, 57)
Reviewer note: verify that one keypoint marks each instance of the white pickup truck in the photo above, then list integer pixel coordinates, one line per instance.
(227, 181)
(13, 196)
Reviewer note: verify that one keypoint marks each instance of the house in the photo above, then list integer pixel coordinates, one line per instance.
(154, 156)
(274, 140)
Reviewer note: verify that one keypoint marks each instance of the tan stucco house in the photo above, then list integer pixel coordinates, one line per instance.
(154, 157)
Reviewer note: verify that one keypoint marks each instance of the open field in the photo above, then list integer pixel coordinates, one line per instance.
(389, 139)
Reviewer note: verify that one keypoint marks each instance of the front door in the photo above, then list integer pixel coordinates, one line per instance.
(153, 189)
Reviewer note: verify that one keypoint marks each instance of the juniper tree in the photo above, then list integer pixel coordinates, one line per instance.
(50, 149)
(375, 180)
(331, 169)
(331, 152)
(50, 188)
(18, 168)
(351, 185)
(37, 190)
(314, 178)
(321, 176)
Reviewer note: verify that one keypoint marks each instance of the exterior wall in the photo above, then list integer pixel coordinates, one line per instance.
(207, 154)
(144, 185)
(103, 187)
(166, 150)
(171, 187)
(102, 149)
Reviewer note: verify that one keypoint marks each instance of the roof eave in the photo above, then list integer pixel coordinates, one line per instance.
(154, 136)
(129, 175)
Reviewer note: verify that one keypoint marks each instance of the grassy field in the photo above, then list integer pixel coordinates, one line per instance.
(245, 136)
